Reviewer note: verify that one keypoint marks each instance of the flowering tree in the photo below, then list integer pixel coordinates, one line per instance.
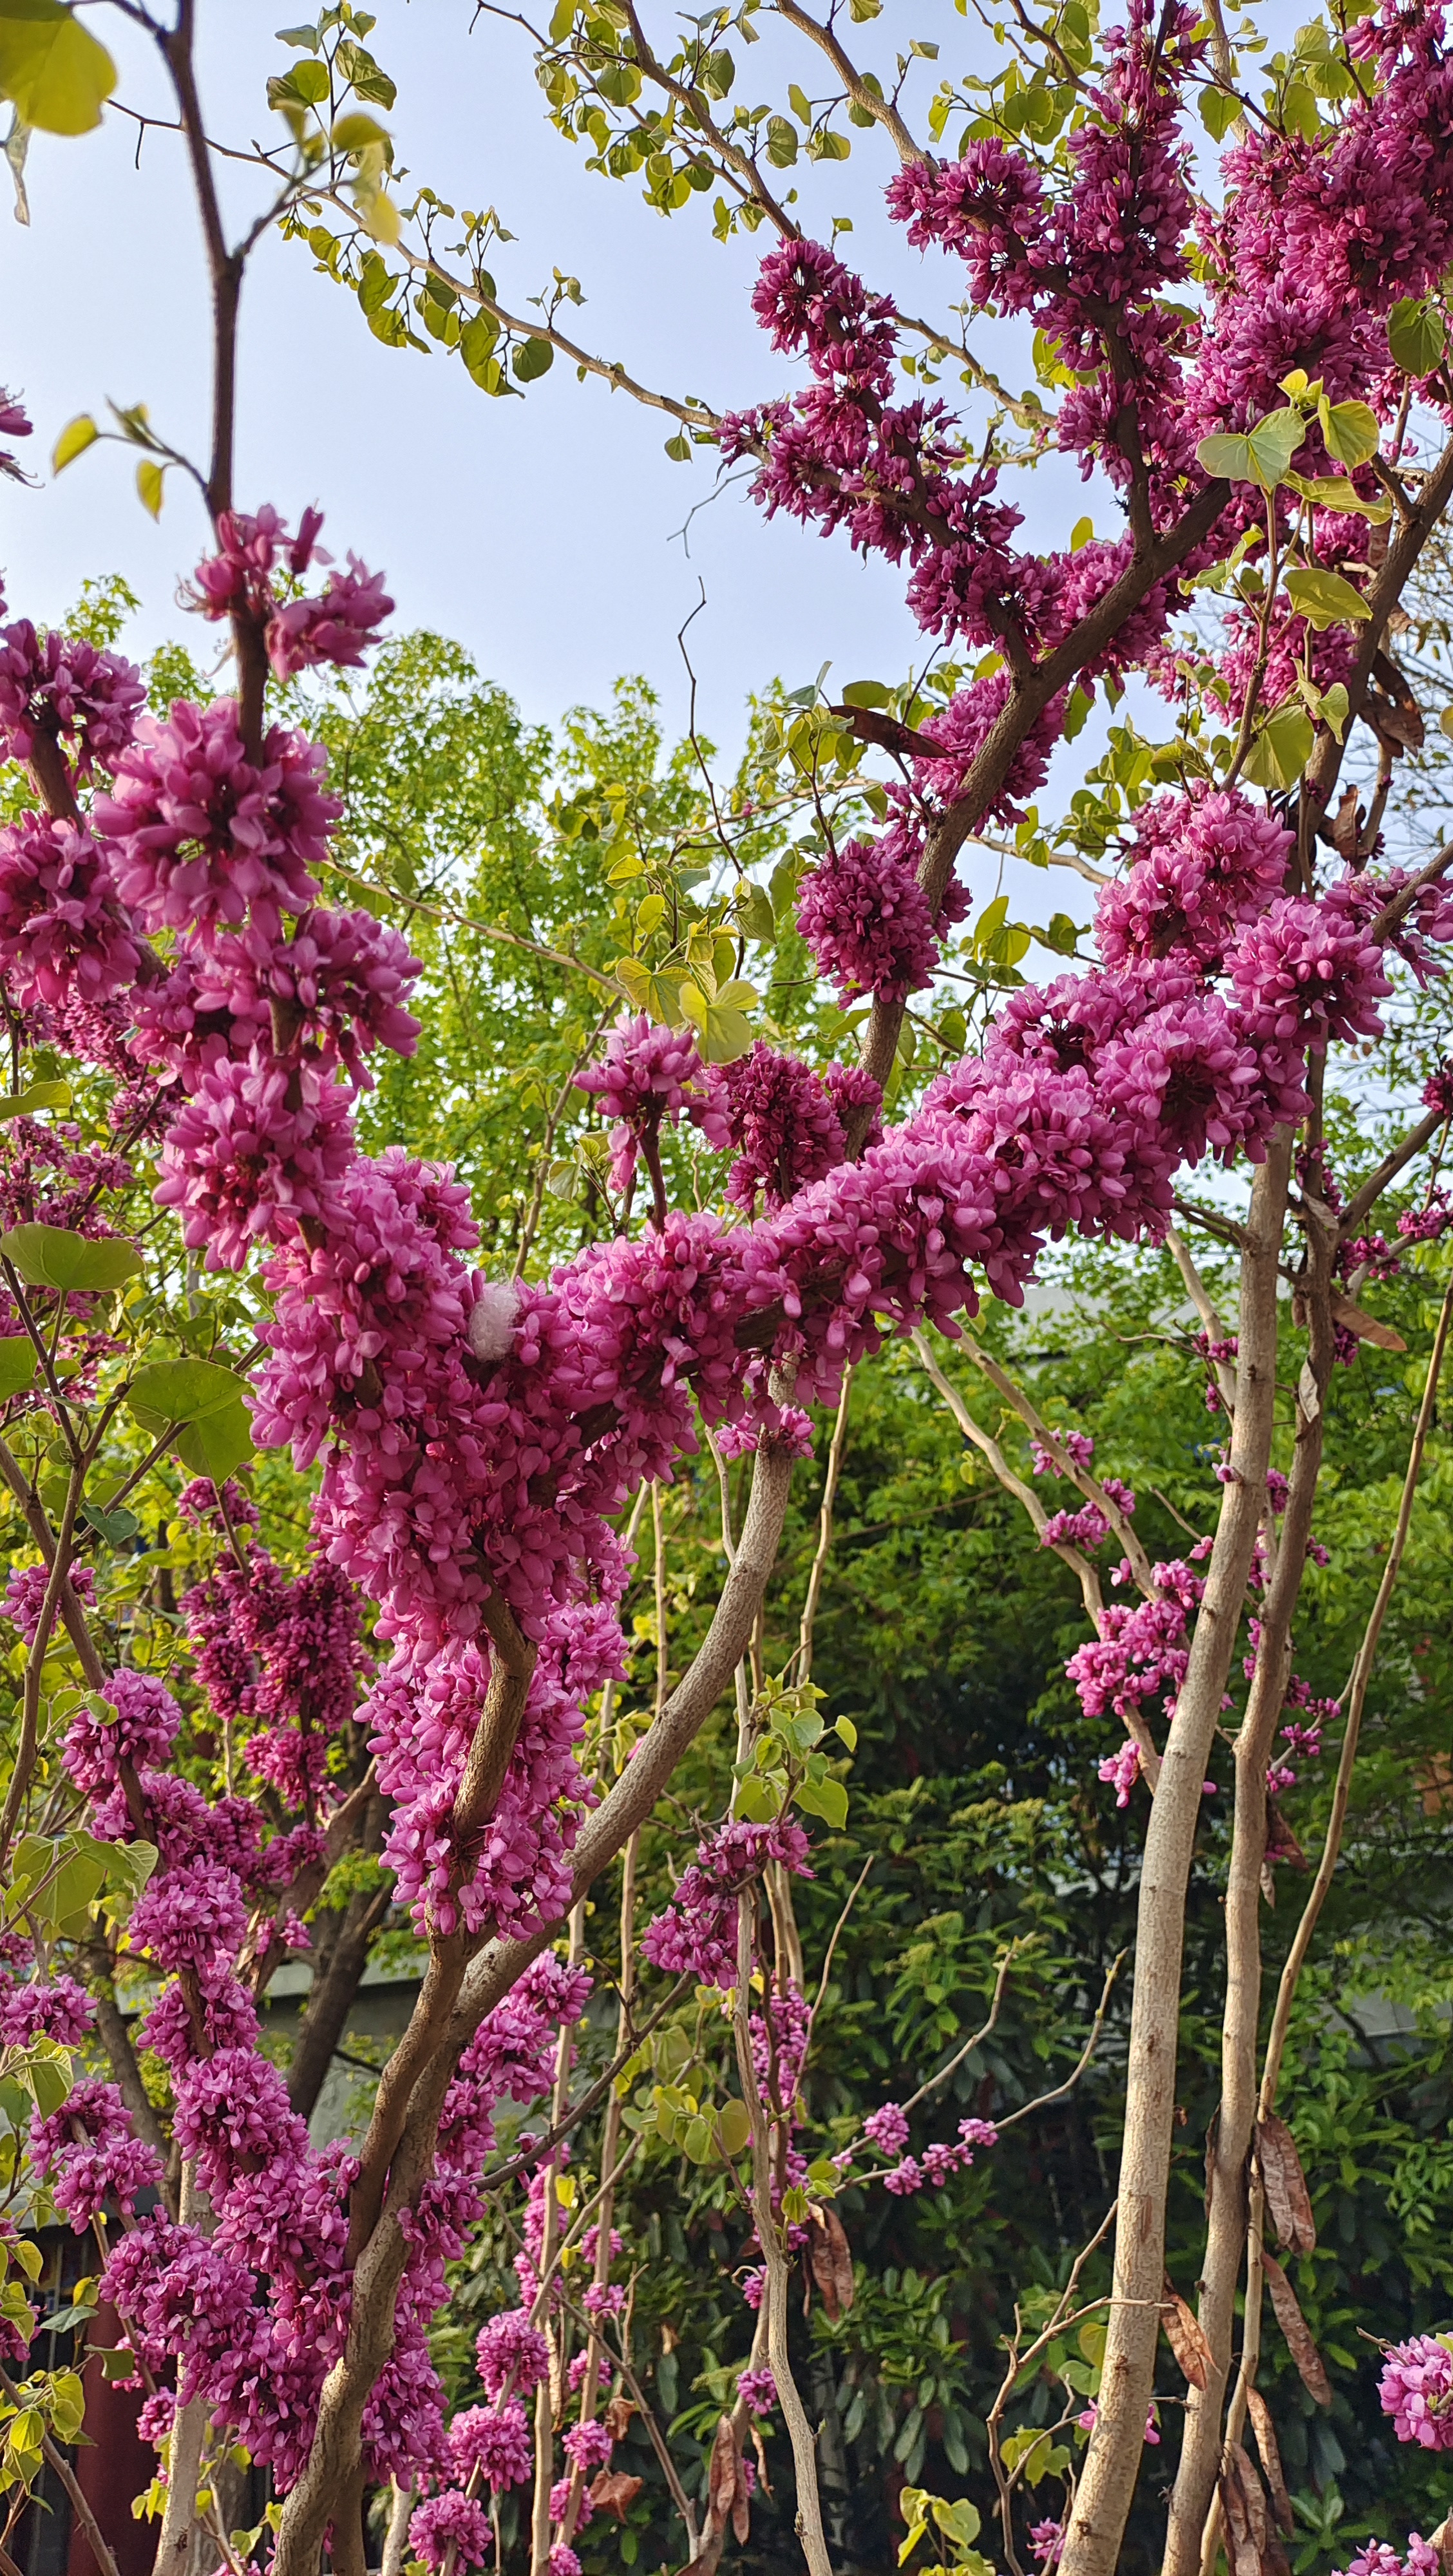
(435, 1689)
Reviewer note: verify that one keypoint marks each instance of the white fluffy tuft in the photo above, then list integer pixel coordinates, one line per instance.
(492, 1319)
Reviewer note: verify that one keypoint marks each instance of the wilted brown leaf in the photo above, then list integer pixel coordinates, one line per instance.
(1183, 2334)
(1294, 2326)
(1368, 1328)
(613, 2492)
(1348, 824)
(618, 2415)
(1266, 2443)
(1285, 2184)
(885, 731)
(832, 2261)
(1406, 726)
(741, 2507)
(726, 2461)
(1282, 1845)
(1241, 2543)
(1254, 2544)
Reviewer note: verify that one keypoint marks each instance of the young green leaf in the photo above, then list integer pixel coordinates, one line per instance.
(1283, 747)
(18, 1363)
(1417, 335)
(75, 438)
(51, 68)
(1263, 455)
(1350, 431)
(166, 1391)
(1324, 598)
(51, 1256)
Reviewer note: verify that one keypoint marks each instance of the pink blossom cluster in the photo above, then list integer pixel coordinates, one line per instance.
(255, 2313)
(321, 999)
(865, 918)
(1203, 865)
(697, 1934)
(783, 1120)
(135, 1720)
(452, 2528)
(63, 933)
(1141, 1651)
(199, 838)
(201, 1501)
(51, 2008)
(87, 2154)
(62, 689)
(281, 1654)
(1416, 2390)
(1423, 2559)
(780, 2036)
(648, 1075)
(25, 1590)
(941, 2159)
(241, 581)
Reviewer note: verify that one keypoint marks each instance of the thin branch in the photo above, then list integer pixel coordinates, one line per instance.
(56, 2459)
(1200, 1297)
(1365, 1199)
(1090, 1486)
(1042, 2101)
(1356, 1701)
(980, 2035)
(442, 910)
(824, 1531)
(838, 1928)
(909, 150)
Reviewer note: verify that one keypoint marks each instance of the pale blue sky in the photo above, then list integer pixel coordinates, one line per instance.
(537, 531)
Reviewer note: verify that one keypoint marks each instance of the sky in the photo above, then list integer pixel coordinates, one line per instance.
(545, 533)
(542, 532)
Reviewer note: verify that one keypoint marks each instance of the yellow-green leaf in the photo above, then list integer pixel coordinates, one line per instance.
(37, 1095)
(51, 1256)
(353, 132)
(1324, 598)
(1417, 334)
(1283, 747)
(75, 438)
(1262, 455)
(379, 215)
(17, 1363)
(216, 1444)
(734, 2126)
(52, 68)
(167, 1391)
(151, 485)
(1334, 492)
(1350, 431)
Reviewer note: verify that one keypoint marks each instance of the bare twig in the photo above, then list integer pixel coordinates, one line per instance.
(824, 1531)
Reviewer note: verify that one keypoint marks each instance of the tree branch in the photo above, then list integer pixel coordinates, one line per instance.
(445, 2028)
(1093, 2539)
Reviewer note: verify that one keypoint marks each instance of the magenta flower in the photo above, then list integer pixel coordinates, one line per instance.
(648, 1076)
(62, 932)
(252, 1154)
(452, 2521)
(865, 918)
(135, 1720)
(199, 837)
(87, 2153)
(511, 2353)
(1416, 2390)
